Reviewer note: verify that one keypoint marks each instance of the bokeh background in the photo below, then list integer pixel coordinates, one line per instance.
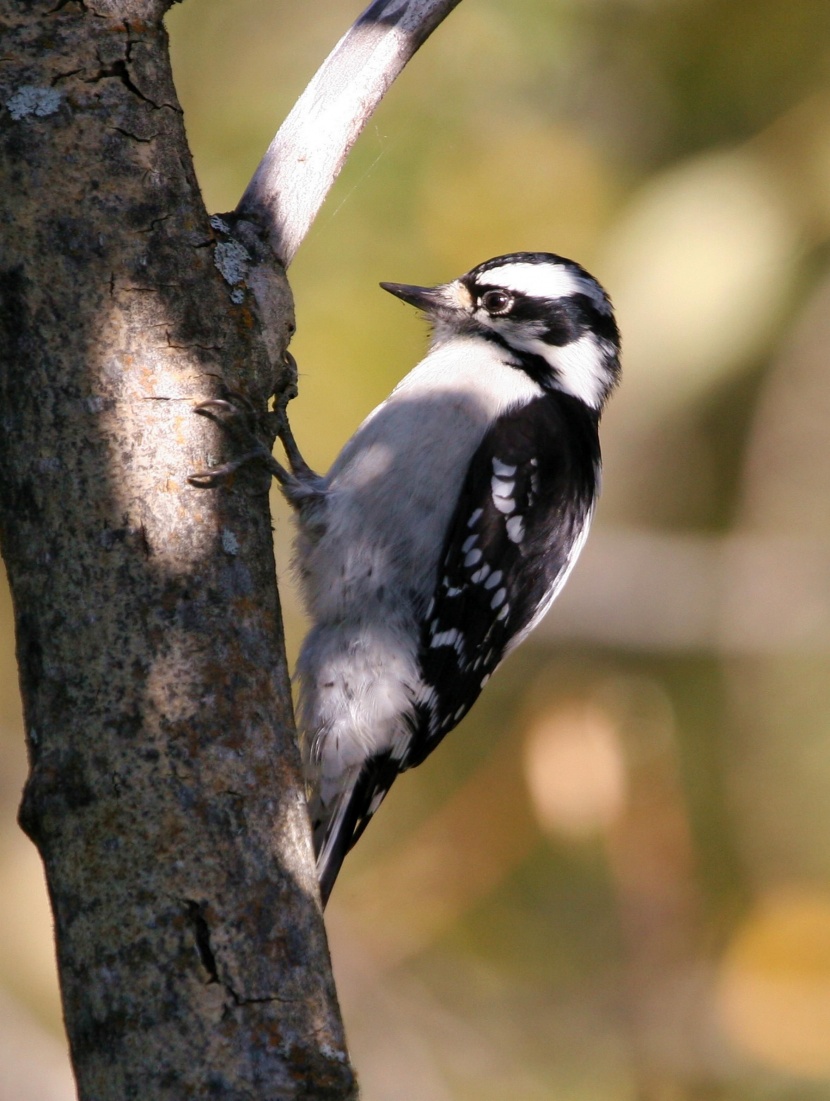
(611, 883)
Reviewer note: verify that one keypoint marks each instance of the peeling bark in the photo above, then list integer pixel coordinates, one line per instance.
(164, 793)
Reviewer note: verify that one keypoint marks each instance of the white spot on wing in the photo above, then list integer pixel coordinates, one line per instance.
(503, 470)
(427, 696)
(473, 558)
(516, 529)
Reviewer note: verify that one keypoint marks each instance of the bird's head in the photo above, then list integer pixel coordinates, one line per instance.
(552, 317)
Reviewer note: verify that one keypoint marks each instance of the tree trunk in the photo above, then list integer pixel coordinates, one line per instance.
(164, 794)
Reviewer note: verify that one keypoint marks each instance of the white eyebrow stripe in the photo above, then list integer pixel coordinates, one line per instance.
(545, 281)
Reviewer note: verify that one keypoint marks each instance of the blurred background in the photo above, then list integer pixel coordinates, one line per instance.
(612, 882)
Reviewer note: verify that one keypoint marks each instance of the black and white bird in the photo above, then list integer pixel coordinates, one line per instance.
(446, 526)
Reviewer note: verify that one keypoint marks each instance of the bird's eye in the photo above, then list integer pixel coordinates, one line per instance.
(496, 302)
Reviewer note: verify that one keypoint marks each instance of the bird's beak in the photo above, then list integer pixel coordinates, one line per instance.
(428, 299)
(445, 300)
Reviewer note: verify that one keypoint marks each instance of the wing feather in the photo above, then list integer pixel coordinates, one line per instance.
(521, 520)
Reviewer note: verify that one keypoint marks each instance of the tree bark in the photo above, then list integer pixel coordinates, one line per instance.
(164, 794)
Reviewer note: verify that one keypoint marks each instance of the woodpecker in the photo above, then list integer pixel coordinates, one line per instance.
(446, 527)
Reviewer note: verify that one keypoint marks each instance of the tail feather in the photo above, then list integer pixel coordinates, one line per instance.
(338, 824)
(332, 826)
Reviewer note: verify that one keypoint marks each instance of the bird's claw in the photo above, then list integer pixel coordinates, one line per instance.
(236, 417)
(289, 388)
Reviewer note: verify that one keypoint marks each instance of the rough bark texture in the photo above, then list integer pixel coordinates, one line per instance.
(164, 793)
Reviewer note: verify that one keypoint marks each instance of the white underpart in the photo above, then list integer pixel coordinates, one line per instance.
(546, 281)
(373, 543)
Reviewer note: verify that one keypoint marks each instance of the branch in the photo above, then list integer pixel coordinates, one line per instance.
(746, 592)
(305, 158)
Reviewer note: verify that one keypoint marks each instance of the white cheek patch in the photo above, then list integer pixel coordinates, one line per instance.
(580, 367)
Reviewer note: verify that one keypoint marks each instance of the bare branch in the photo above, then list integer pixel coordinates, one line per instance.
(311, 146)
(748, 592)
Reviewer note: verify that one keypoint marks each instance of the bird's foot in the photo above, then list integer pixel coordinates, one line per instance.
(237, 416)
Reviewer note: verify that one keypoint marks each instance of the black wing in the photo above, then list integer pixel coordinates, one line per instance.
(521, 517)
(521, 514)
